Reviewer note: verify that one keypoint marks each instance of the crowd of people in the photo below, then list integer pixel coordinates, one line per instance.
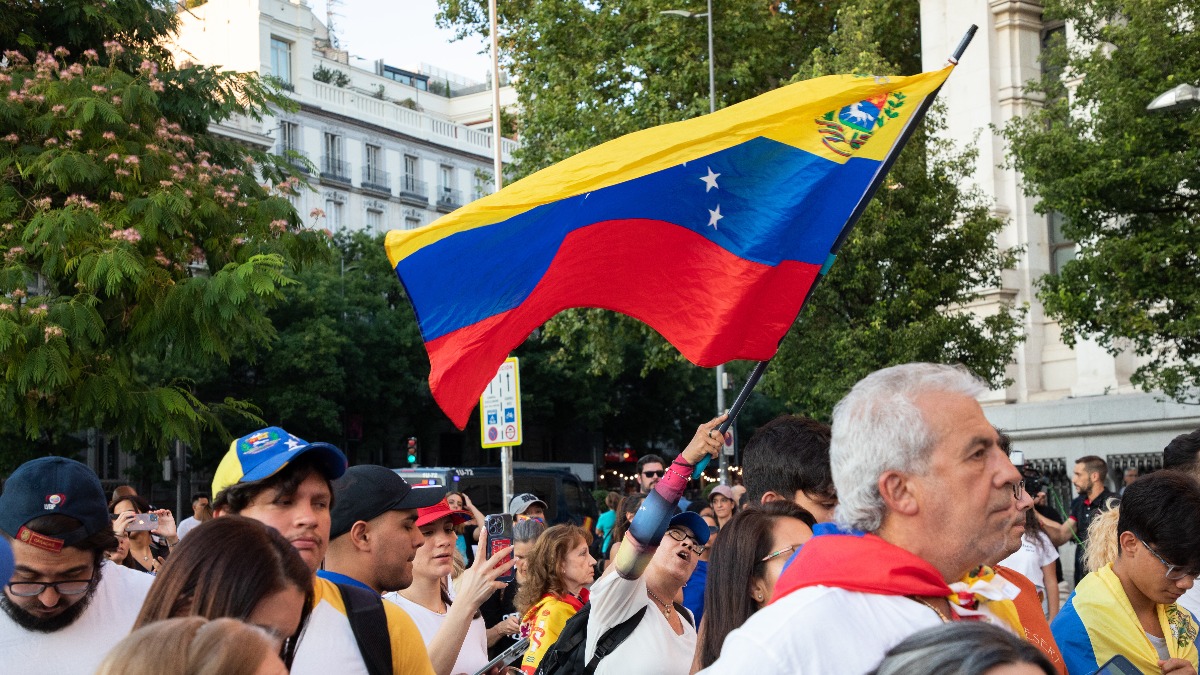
(905, 538)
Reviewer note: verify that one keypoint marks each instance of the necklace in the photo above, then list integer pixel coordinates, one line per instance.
(943, 617)
(667, 609)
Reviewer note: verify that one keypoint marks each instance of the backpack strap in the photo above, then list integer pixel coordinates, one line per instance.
(613, 638)
(685, 613)
(368, 621)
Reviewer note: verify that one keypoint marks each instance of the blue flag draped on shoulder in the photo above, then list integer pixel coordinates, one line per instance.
(711, 231)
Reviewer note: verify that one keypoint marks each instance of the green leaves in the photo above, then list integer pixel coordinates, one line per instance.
(1123, 179)
(135, 248)
(924, 251)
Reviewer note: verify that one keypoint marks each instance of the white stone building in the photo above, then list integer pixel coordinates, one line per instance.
(390, 148)
(1064, 403)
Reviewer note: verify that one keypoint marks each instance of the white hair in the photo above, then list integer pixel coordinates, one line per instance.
(878, 428)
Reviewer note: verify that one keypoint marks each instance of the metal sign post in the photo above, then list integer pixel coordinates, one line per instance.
(500, 420)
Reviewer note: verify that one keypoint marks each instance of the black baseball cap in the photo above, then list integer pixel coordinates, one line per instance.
(53, 485)
(368, 490)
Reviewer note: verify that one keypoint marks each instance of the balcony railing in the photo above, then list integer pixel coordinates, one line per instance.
(376, 180)
(335, 170)
(413, 191)
(295, 156)
(448, 199)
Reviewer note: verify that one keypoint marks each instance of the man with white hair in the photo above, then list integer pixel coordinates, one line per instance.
(926, 496)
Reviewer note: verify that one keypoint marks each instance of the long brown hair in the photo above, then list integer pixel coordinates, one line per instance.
(733, 565)
(543, 566)
(224, 568)
(189, 645)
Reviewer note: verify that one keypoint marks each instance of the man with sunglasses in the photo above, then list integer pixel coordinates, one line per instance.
(1129, 606)
(65, 605)
(649, 471)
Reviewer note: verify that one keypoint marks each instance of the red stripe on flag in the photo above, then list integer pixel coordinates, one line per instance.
(709, 303)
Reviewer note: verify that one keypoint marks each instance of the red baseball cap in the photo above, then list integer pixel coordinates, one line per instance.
(441, 510)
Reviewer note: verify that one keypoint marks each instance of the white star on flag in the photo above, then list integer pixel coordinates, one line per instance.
(710, 181)
(714, 216)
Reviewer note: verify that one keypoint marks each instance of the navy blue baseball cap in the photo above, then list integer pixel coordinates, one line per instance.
(694, 522)
(367, 491)
(53, 485)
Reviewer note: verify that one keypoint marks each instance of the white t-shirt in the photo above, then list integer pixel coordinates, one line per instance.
(471, 657)
(80, 647)
(1191, 600)
(820, 630)
(653, 648)
(186, 526)
(1033, 555)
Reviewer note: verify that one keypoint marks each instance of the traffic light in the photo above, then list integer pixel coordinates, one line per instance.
(412, 451)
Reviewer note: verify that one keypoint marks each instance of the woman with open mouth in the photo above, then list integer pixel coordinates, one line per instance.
(656, 557)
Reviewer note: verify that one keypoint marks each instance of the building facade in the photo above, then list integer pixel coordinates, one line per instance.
(1063, 403)
(384, 147)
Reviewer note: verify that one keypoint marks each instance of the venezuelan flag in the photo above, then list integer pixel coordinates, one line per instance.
(711, 231)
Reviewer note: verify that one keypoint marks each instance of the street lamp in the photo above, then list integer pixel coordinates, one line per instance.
(712, 80)
(712, 107)
(1179, 98)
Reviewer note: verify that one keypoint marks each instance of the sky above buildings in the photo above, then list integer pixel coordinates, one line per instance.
(403, 33)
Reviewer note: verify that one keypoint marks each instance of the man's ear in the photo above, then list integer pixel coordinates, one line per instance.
(360, 536)
(772, 496)
(1128, 544)
(896, 488)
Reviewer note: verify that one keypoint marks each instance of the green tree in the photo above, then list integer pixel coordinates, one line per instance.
(1124, 181)
(348, 357)
(586, 72)
(923, 250)
(137, 247)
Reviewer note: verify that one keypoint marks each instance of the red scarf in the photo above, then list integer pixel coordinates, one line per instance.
(865, 564)
(576, 602)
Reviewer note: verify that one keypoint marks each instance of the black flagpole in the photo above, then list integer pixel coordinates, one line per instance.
(885, 167)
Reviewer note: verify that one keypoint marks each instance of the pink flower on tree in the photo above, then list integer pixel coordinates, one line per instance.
(130, 235)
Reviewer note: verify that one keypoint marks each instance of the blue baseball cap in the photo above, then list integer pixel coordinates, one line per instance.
(6, 561)
(693, 522)
(265, 452)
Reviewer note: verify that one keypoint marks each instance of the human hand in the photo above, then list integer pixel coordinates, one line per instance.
(707, 441)
(477, 583)
(508, 626)
(166, 526)
(156, 564)
(122, 522)
(1177, 667)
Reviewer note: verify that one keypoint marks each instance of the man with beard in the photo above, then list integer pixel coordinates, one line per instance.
(374, 533)
(285, 482)
(925, 495)
(65, 605)
(1094, 498)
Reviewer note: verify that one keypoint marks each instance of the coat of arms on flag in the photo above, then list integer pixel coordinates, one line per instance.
(845, 131)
